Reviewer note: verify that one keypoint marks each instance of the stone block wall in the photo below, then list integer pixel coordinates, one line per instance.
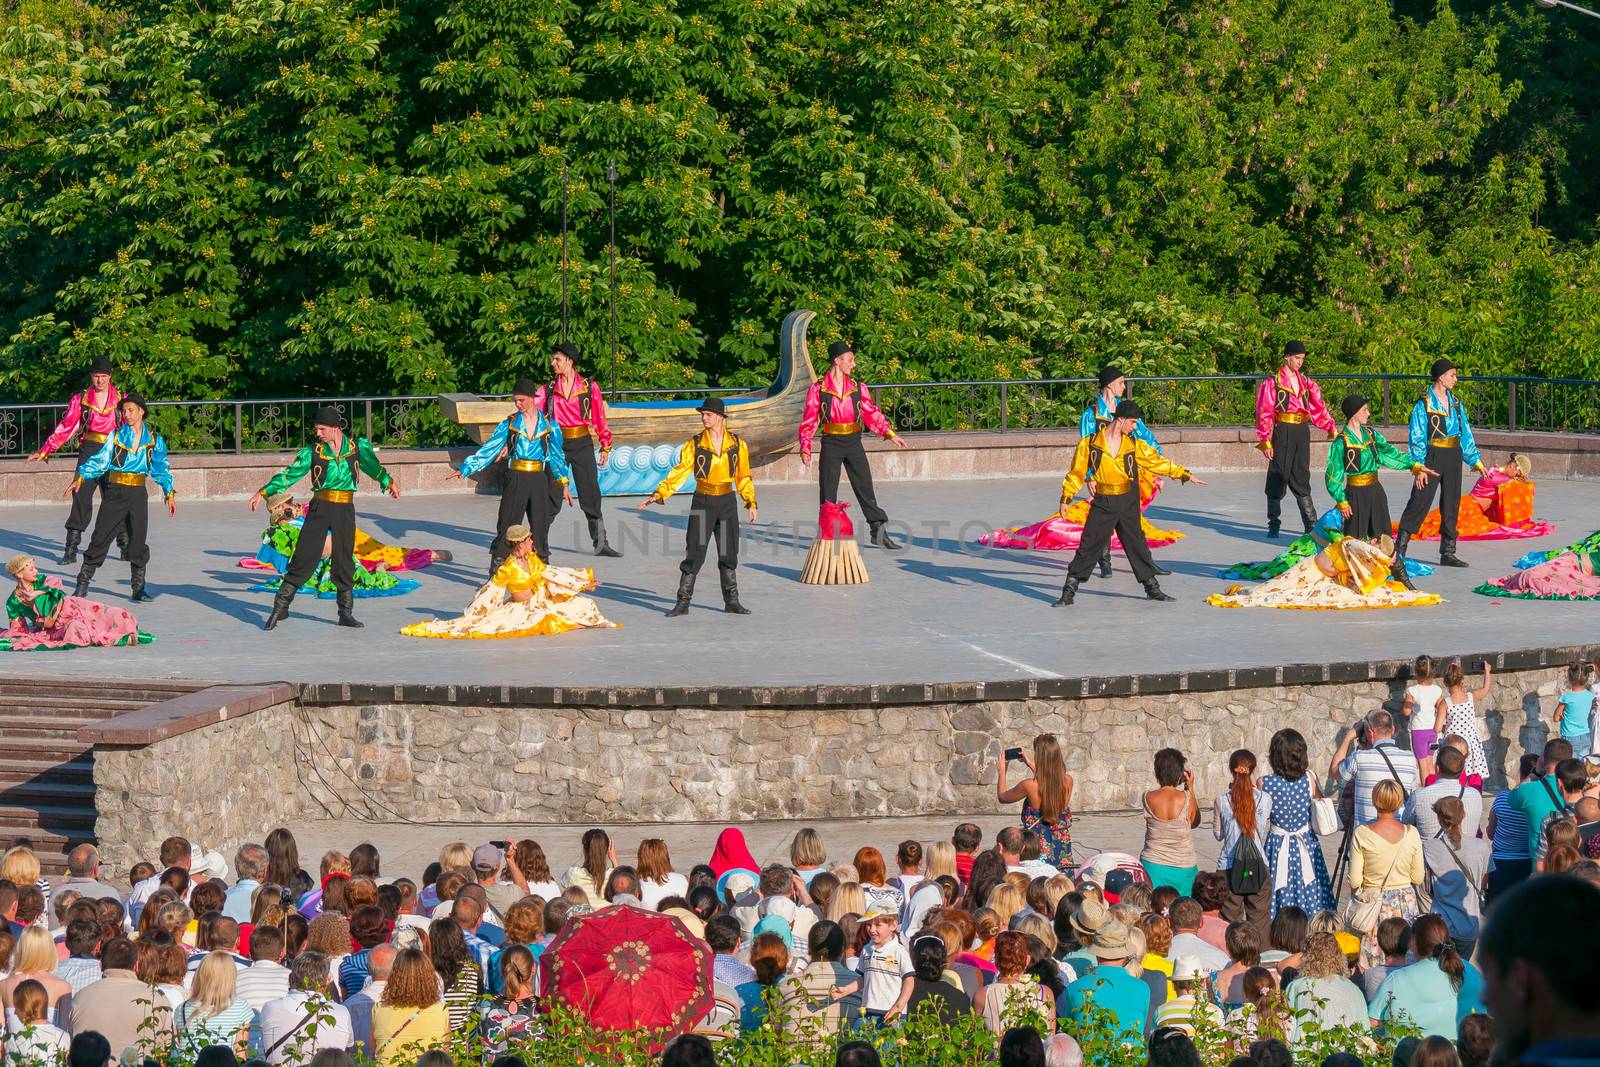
(218, 785)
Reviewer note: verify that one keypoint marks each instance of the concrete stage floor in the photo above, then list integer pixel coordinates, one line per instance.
(944, 610)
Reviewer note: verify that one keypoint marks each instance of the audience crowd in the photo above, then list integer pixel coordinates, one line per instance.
(1464, 926)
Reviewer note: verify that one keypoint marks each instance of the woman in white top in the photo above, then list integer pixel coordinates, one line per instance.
(1421, 699)
(657, 879)
(1457, 713)
(1322, 995)
(589, 877)
(34, 1040)
(530, 871)
(214, 1014)
(1245, 810)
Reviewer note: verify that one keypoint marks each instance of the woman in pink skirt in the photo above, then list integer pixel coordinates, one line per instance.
(44, 617)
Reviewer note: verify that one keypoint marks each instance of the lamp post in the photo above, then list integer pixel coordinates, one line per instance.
(1571, 7)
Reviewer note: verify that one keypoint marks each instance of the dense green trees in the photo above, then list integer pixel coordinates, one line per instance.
(285, 196)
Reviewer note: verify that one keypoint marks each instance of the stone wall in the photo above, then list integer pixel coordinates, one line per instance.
(219, 785)
(514, 763)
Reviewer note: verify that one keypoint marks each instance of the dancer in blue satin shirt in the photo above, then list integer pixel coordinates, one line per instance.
(1441, 440)
(131, 456)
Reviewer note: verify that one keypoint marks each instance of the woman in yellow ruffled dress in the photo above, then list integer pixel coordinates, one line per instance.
(1349, 573)
(525, 598)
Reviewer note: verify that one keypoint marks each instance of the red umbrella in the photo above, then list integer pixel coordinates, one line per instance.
(624, 968)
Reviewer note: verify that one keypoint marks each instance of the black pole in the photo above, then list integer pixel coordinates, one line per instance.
(611, 177)
(563, 251)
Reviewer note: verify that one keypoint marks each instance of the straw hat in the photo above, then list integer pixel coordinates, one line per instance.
(517, 533)
(1090, 916)
(1110, 941)
(1523, 463)
(1187, 969)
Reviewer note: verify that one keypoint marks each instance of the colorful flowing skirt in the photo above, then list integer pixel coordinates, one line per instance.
(1585, 546)
(1063, 533)
(1359, 579)
(279, 542)
(1304, 547)
(1561, 578)
(557, 606)
(81, 623)
(1508, 515)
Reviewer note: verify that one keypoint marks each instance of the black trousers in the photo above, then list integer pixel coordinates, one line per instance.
(1506, 873)
(83, 497)
(1117, 514)
(585, 477)
(324, 517)
(712, 518)
(844, 450)
(1447, 461)
(1369, 512)
(527, 499)
(121, 507)
(1290, 469)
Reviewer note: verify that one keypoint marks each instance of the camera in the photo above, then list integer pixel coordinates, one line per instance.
(1013, 754)
(1363, 732)
(501, 845)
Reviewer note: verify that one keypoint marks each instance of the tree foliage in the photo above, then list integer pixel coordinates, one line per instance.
(288, 196)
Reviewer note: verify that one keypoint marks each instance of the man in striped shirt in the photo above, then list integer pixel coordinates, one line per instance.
(1377, 760)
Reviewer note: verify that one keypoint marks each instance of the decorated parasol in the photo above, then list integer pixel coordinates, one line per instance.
(624, 968)
(834, 559)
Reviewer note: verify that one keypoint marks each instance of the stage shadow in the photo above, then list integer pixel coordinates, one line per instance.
(633, 595)
(948, 574)
(235, 602)
(45, 550)
(788, 574)
(1211, 520)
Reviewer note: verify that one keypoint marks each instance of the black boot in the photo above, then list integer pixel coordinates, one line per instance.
(730, 596)
(881, 538)
(597, 533)
(494, 564)
(1447, 555)
(1308, 513)
(1105, 563)
(1160, 570)
(122, 543)
(85, 576)
(1272, 529)
(347, 609)
(685, 594)
(1069, 592)
(280, 606)
(1397, 569)
(137, 593)
(1152, 591)
(69, 551)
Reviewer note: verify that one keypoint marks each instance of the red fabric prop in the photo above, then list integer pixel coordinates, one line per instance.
(834, 521)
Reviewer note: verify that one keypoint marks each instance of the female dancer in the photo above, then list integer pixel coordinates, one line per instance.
(43, 616)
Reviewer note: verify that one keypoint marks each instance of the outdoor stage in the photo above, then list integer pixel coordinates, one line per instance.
(944, 610)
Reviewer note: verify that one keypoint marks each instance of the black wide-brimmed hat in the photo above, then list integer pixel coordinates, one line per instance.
(134, 397)
(839, 348)
(714, 405)
(524, 387)
(568, 349)
(1110, 374)
(1352, 404)
(1293, 348)
(1440, 366)
(1127, 409)
(101, 365)
(327, 415)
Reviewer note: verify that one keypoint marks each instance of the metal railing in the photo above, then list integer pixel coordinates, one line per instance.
(1564, 405)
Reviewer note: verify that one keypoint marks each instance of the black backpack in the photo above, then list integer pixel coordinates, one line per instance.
(1248, 875)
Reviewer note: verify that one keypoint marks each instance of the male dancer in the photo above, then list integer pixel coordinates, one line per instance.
(92, 415)
(1113, 383)
(536, 463)
(132, 454)
(849, 407)
(1284, 403)
(332, 463)
(1352, 477)
(1441, 438)
(578, 407)
(1112, 458)
(721, 465)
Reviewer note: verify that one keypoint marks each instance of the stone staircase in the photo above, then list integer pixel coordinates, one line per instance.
(46, 773)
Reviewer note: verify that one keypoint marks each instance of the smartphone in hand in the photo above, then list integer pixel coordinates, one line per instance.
(1013, 754)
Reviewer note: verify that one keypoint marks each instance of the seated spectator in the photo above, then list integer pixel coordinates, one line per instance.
(89, 1049)
(1108, 986)
(1021, 1046)
(34, 959)
(80, 968)
(1475, 1041)
(1394, 939)
(873, 876)
(589, 876)
(266, 978)
(287, 1033)
(214, 1014)
(1013, 989)
(1425, 993)
(33, 1038)
(723, 934)
(411, 1015)
(689, 1050)
(930, 990)
(1172, 1047)
(856, 1054)
(807, 855)
(657, 879)
(1263, 1014)
(1435, 1051)
(163, 966)
(1189, 1005)
(1322, 996)
(1244, 952)
(1062, 1050)
(1186, 918)
(361, 1004)
(1211, 893)
(769, 958)
(510, 1016)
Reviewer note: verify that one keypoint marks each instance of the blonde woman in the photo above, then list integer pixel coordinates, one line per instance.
(807, 854)
(20, 867)
(848, 899)
(410, 1016)
(1005, 900)
(657, 879)
(1386, 863)
(928, 893)
(1046, 798)
(33, 959)
(214, 1014)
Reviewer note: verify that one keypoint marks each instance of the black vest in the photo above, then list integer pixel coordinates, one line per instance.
(319, 463)
(703, 457)
(1130, 465)
(584, 401)
(1352, 453)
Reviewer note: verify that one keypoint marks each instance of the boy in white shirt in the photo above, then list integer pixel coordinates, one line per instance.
(887, 976)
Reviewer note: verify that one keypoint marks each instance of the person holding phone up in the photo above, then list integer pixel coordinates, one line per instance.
(1171, 812)
(1046, 797)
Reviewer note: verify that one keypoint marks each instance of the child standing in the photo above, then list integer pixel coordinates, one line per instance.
(1421, 700)
(1457, 713)
(887, 976)
(1575, 708)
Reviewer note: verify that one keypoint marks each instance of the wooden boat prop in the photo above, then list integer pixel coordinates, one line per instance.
(647, 434)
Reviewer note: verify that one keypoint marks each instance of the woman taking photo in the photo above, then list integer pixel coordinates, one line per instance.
(1171, 812)
(1386, 864)
(1046, 798)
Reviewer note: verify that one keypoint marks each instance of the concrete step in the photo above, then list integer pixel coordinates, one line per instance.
(50, 792)
(43, 749)
(17, 771)
(19, 819)
(59, 729)
(39, 704)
